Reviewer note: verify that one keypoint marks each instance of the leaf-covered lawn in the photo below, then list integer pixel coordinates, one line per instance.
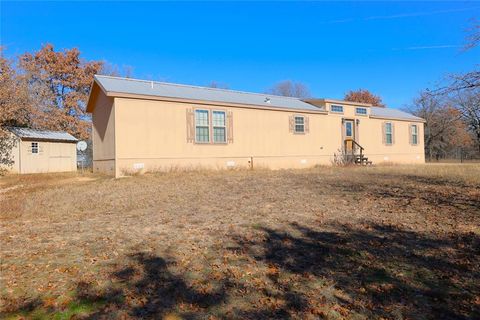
(335, 243)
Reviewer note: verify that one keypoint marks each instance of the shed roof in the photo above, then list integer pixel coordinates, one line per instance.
(114, 85)
(46, 135)
(389, 113)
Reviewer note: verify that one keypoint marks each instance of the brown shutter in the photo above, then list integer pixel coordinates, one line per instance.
(190, 125)
(291, 124)
(410, 131)
(229, 127)
(357, 132)
(393, 133)
(384, 133)
(418, 132)
(307, 124)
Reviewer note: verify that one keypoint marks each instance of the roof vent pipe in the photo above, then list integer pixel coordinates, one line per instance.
(267, 100)
(151, 82)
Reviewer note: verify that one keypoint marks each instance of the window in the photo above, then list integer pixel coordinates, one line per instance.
(349, 129)
(388, 133)
(216, 126)
(361, 111)
(414, 134)
(299, 124)
(202, 126)
(34, 147)
(219, 127)
(334, 108)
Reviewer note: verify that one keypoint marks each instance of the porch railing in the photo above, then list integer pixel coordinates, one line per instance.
(355, 145)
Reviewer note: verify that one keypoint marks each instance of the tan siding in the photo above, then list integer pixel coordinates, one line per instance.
(145, 135)
(400, 152)
(157, 135)
(52, 157)
(103, 134)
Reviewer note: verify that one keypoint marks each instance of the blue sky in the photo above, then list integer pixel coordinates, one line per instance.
(394, 49)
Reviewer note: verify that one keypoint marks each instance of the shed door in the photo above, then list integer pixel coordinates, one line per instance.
(60, 158)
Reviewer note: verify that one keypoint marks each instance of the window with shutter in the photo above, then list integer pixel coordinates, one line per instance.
(207, 126)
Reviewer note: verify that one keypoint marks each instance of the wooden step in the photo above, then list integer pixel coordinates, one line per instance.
(362, 160)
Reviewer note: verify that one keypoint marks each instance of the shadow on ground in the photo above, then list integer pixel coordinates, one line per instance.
(150, 290)
(361, 272)
(381, 271)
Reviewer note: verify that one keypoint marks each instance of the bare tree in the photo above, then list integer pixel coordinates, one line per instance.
(109, 69)
(468, 103)
(464, 81)
(289, 88)
(473, 36)
(364, 96)
(218, 85)
(444, 128)
(463, 90)
(459, 82)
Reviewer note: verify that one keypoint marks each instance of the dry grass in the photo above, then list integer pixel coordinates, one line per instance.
(353, 243)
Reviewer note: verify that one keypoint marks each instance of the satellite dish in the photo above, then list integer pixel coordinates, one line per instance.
(81, 146)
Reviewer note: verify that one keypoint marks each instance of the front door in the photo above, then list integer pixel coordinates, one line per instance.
(349, 134)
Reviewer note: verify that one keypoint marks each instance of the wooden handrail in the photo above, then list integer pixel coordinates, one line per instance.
(361, 148)
(354, 143)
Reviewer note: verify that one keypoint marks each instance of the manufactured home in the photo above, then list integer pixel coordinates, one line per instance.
(41, 151)
(153, 126)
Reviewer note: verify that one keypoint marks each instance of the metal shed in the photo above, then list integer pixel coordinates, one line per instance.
(38, 151)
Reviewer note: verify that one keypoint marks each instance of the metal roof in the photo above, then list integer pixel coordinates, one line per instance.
(171, 90)
(392, 114)
(116, 85)
(27, 133)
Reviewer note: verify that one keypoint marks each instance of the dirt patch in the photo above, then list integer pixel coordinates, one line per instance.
(336, 243)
